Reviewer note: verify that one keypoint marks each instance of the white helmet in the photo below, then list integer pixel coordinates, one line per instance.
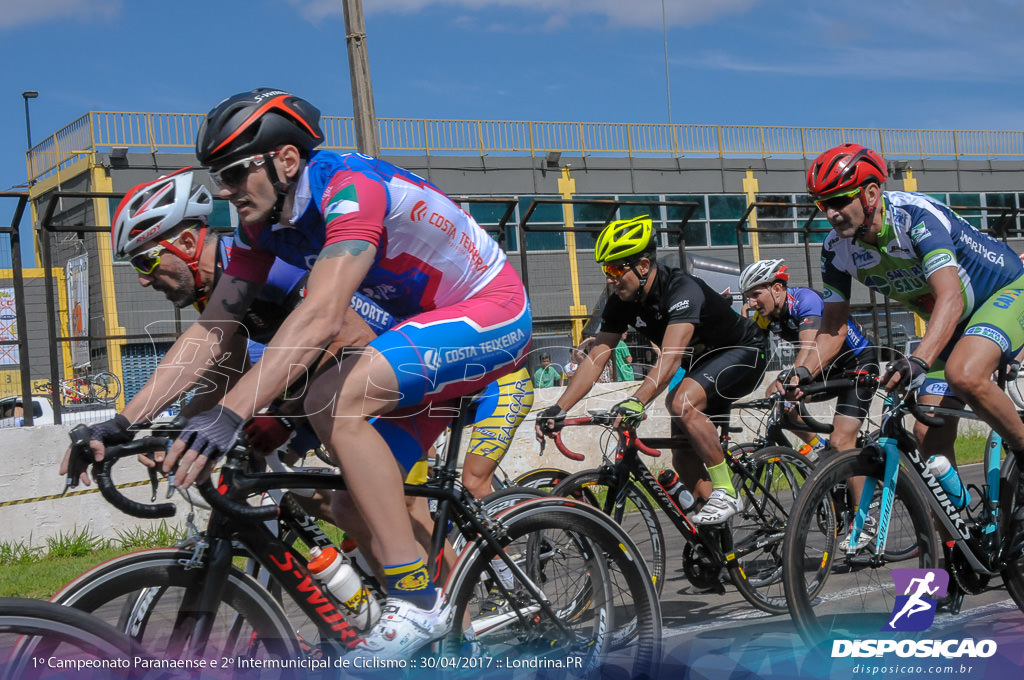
(763, 271)
(150, 210)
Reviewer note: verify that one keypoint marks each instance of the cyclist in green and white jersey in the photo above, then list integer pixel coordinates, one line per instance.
(914, 249)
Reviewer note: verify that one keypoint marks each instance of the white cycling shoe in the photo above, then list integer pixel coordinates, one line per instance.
(403, 628)
(719, 508)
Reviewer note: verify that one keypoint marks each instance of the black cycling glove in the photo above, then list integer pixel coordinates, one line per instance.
(802, 374)
(112, 432)
(555, 413)
(212, 432)
(912, 370)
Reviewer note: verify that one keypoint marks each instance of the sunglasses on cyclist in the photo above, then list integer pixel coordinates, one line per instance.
(838, 201)
(233, 174)
(148, 260)
(615, 270)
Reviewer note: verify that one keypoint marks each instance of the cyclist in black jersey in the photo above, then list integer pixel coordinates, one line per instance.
(724, 355)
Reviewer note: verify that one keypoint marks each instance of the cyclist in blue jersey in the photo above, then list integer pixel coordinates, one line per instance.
(794, 315)
(914, 249)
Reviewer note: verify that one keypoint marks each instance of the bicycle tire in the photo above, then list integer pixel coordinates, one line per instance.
(638, 516)
(496, 503)
(142, 594)
(104, 387)
(768, 488)
(545, 479)
(38, 637)
(1010, 502)
(564, 526)
(855, 598)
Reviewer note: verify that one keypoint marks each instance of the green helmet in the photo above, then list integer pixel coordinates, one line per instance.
(623, 238)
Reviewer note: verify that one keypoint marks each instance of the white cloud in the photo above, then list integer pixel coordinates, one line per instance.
(638, 13)
(16, 13)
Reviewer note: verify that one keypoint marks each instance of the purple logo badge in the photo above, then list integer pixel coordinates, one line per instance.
(917, 593)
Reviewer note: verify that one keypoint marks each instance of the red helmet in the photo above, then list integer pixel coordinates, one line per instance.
(844, 168)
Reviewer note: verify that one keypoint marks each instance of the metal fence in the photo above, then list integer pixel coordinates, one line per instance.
(153, 132)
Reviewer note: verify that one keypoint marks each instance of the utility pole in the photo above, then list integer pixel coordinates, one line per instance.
(359, 70)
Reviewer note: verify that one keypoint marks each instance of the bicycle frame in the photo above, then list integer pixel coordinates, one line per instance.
(894, 444)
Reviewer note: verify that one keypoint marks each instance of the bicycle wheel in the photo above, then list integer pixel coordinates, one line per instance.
(636, 513)
(1010, 501)
(855, 594)
(768, 482)
(104, 387)
(545, 479)
(45, 640)
(496, 503)
(587, 568)
(147, 595)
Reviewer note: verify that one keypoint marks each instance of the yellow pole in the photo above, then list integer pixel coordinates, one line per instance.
(578, 312)
(750, 189)
(910, 184)
(101, 182)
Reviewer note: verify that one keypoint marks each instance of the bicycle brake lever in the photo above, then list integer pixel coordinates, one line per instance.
(80, 436)
(154, 481)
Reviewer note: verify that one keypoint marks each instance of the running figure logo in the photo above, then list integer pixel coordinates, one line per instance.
(915, 608)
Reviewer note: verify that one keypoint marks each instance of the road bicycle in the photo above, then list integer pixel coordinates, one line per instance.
(41, 639)
(856, 592)
(103, 388)
(748, 547)
(564, 558)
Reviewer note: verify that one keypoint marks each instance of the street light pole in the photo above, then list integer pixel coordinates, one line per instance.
(26, 95)
(359, 71)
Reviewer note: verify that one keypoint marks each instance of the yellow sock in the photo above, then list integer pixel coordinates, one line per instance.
(721, 478)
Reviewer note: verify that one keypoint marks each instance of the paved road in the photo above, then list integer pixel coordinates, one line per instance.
(715, 636)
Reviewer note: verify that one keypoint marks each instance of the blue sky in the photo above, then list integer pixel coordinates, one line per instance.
(871, 63)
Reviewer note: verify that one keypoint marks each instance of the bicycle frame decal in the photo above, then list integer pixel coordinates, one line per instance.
(938, 493)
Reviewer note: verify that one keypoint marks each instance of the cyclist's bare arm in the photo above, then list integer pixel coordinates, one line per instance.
(234, 363)
(673, 347)
(309, 328)
(949, 305)
(589, 369)
(201, 348)
(807, 355)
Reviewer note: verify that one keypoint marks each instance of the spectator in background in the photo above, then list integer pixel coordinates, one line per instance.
(575, 357)
(547, 375)
(623, 361)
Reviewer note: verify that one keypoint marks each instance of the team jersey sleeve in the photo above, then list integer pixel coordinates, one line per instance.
(354, 206)
(807, 309)
(837, 282)
(932, 239)
(249, 261)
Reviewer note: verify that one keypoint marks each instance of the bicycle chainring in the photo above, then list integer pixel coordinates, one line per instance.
(700, 568)
(970, 581)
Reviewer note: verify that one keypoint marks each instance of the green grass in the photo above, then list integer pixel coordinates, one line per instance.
(40, 571)
(970, 449)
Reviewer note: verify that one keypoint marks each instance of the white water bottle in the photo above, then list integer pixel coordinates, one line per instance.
(359, 607)
(950, 481)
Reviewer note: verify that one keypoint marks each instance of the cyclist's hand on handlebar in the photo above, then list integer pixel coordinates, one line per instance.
(629, 411)
(906, 373)
(792, 378)
(206, 438)
(549, 421)
(113, 431)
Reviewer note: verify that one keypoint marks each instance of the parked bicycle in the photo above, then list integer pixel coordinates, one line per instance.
(103, 388)
(192, 600)
(856, 590)
(748, 548)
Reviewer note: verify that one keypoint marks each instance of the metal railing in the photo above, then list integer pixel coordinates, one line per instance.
(153, 132)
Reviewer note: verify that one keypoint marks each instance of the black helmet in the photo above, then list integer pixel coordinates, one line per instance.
(257, 122)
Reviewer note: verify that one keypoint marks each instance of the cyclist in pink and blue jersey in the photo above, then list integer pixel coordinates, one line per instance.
(357, 224)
